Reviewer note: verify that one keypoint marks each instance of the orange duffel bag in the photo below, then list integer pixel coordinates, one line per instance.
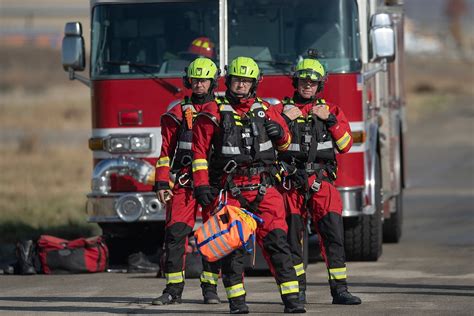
(227, 230)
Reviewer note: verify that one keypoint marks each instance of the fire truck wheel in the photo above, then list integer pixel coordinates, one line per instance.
(392, 227)
(363, 234)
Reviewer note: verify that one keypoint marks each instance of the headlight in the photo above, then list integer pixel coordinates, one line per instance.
(118, 144)
(127, 143)
(140, 143)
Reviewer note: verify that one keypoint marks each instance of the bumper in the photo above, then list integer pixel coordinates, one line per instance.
(124, 207)
(353, 202)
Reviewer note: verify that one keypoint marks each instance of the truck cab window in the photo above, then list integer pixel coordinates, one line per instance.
(154, 36)
(276, 33)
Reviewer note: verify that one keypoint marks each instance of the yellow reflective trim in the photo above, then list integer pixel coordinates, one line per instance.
(238, 123)
(163, 162)
(343, 141)
(289, 287)
(199, 164)
(337, 273)
(235, 290)
(175, 277)
(209, 277)
(299, 268)
(285, 145)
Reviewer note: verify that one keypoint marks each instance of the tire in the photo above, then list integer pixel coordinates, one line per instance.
(392, 227)
(363, 234)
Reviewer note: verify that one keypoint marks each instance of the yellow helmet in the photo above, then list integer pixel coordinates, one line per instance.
(202, 68)
(310, 69)
(244, 67)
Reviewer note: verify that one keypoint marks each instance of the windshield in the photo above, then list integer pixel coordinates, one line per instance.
(159, 39)
(276, 33)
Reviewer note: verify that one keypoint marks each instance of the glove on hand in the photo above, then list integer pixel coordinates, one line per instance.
(203, 195)
(331, 121)
(301, 178)
(274, 130)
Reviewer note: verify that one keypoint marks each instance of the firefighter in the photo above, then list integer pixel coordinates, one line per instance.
(176, 130)
(243, 132)
(308, 172)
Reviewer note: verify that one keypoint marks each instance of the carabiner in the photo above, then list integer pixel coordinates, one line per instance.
(181, 177)
(286, 185)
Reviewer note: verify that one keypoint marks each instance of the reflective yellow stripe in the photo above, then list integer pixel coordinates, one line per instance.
(337, 273)
(175, 277)
(235, 290)
(199, 164)
(163, 162)
(299, 268)
(343, 141)
(289, 287)
(285, 145)
(209, 277)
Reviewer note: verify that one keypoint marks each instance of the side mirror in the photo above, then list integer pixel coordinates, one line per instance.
(382, 37)
(73, 51)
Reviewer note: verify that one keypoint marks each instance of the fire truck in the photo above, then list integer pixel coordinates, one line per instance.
(138, 51)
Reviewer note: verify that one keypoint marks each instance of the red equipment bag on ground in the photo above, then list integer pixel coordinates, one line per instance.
(83, 255)
(227, 230)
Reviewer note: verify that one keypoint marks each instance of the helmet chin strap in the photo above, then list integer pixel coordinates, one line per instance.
(239, 96)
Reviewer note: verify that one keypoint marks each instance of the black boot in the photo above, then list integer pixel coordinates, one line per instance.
(139, 263)
(209, 294)
(166, 299)
(302, 296)
(345, 298)
(25, 254)
(237, 305)
(171, 294)
(293, 304)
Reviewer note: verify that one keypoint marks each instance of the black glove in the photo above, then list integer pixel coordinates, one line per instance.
(161, 185)
(301, 178)
(274, 130)
(204, 195)
(331, 121)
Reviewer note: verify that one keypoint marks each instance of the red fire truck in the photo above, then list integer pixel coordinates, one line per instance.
(138, 51)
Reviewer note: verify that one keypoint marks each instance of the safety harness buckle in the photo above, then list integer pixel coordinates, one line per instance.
(262, 190)
(315, 186)
(230, 166)
(235, 191)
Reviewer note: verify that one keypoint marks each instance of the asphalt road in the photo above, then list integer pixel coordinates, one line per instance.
(430, 272)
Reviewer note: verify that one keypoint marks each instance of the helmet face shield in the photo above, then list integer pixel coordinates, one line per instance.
(308, 74)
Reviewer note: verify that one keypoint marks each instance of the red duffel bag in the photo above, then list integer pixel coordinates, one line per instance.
(83, 255)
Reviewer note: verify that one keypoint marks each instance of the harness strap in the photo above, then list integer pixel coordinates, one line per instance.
(236, 191)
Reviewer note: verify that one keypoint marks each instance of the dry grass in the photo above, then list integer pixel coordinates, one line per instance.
(434, 85)
(45, 174)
